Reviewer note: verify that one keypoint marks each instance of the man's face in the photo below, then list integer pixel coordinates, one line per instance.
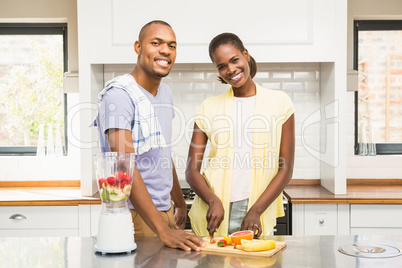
(157, 50)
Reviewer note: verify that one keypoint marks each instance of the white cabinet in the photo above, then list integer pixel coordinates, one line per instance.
(376, 219)
(345, 219)
(320, 219)
(39, 221)
(277, 31)
(95, 213)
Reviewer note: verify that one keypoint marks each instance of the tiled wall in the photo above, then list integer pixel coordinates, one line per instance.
(191, 83)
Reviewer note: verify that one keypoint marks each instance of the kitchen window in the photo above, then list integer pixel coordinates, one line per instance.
(33, 58)
(378, 101)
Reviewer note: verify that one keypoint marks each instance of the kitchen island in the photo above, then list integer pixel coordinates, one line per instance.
(304, 251)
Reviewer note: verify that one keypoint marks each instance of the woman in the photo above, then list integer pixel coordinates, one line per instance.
(251, 134)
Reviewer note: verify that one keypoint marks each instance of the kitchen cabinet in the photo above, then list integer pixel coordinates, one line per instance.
(320, 219)
(376, 219)
(95, 213)
(39, 221)
(344, 219)
(282, 31)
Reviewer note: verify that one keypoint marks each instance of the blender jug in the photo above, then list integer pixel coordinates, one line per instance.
(114, 174)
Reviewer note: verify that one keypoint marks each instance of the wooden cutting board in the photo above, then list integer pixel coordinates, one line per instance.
(231, 250)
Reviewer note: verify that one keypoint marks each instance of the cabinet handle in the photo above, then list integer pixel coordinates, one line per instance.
(17, 217)
(321, 220)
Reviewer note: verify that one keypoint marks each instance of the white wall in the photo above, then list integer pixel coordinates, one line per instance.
(192, 83)
(41, 11)
(365, 167)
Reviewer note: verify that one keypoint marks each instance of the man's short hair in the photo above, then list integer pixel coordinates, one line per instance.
(146, 26)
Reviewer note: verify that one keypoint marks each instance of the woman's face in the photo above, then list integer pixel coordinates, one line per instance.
(232, 65)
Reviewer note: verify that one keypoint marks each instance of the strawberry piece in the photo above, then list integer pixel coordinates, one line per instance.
(128, 178)
(221, 243)
(122, 184)
(101, 182)
(111, 180)
(120, 176)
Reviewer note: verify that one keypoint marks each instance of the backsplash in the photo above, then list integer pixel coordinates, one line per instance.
(192, 83)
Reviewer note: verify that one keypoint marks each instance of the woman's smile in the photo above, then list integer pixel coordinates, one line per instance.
(237, 77)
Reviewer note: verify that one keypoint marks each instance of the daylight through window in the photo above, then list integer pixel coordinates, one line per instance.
(32, 63)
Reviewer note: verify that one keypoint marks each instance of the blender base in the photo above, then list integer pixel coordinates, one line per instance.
(115, 233)
(105, 251)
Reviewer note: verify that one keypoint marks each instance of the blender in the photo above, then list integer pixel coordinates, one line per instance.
(114, 174)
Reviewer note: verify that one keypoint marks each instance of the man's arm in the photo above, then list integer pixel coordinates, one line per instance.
(180, 205)
(120, 140)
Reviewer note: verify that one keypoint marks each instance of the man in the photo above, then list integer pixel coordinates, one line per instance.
(135, 116)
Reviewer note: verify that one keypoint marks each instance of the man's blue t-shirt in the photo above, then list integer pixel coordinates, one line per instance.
(117, 111)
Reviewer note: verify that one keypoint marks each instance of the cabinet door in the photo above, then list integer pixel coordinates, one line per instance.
(274, 31)
(381, 219)
(95, 212)
(320, 219)
(39, 221)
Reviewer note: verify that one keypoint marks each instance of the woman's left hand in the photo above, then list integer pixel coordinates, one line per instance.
(252, 222)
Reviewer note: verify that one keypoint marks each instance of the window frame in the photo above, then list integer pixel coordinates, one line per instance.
(37, 29)
(372, 25)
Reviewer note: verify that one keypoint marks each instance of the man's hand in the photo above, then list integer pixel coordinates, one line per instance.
(181, 239)
(215, 215)
(180, 216)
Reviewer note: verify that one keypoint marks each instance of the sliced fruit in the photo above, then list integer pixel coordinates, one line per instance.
(111, 180)
(127, 189)
(221, 243)
(117, 197)
(228, 239)
(105, 193)
(128, 178)
(101, 182)
(116, 190)
(238, 236)
(122, 184)
(120, 176)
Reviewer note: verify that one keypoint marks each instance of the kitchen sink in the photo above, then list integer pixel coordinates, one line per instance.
(370, 250)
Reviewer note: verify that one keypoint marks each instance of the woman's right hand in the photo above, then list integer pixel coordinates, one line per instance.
(215, 215)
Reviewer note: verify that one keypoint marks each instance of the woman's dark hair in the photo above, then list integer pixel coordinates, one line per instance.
(234, 40)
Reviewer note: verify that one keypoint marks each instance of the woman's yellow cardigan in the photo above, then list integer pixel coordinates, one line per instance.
(215, 119)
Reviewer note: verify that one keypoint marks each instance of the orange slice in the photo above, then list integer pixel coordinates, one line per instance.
(238, 236)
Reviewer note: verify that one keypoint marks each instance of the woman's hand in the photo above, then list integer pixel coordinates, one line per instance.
(215, 215)
(252, 222)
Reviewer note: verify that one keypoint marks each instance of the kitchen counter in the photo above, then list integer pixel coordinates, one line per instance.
(358, 192)
(45, 196)
(306, 251)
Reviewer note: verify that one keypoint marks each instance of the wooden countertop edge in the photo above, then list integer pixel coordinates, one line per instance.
(33, 186)
(50, 202)
(311, 191)
(36, 184)
(344, 201)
